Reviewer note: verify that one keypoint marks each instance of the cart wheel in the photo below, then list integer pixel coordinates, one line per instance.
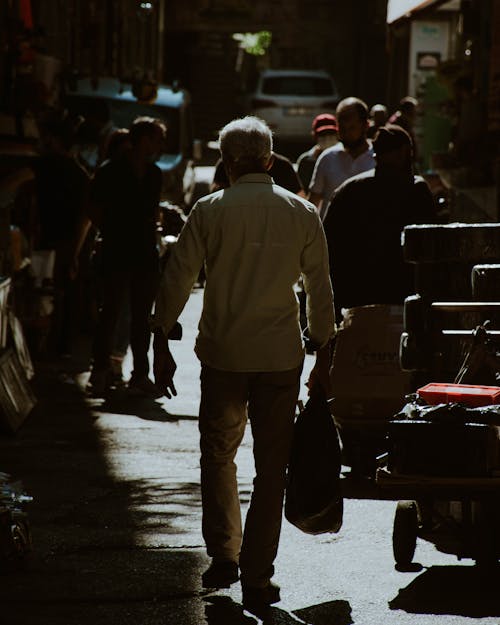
(404, 533)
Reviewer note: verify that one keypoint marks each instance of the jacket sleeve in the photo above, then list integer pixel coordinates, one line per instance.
(181, 272)
(317, 285)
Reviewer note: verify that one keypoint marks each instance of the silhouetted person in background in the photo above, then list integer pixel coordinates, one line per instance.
(93, 134)
(118, 144)
(378, 117)
(61, 187)
(124, 205)
(406, 117)
(364, 221)
(324, 131)
(281, 170)
(350, 157)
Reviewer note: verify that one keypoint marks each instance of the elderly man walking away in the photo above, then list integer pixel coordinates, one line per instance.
(256, 239)
(350, 157)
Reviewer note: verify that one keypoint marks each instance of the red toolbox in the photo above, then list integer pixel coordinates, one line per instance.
(469, 394)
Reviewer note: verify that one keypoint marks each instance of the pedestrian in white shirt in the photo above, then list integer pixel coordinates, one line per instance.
(351, 156)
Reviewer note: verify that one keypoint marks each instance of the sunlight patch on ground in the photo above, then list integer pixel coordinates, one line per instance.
(163, 474)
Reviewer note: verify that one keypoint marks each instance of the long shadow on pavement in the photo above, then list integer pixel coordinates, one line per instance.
(458, 590)
(122, 401)
(224, 611)
(87, 565)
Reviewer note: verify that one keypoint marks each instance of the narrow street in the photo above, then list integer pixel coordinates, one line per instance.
(110, 117)
(116, 523)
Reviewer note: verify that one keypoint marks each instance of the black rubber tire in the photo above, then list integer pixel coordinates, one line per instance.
(487, 517)
(404, 533)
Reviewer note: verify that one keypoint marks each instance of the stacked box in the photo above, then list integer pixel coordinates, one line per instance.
(367, 380)
(446, 261)
(455, 242)
(418, 447)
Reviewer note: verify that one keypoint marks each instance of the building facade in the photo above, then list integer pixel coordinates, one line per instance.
(192, 41)
(446, 53)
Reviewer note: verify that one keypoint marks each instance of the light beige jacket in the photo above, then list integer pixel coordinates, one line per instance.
(256, 240)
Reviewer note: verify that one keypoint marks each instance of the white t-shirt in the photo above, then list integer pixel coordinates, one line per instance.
(334, 166)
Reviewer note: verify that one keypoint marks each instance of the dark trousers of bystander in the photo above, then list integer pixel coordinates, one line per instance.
(66, 319)
(139, 286)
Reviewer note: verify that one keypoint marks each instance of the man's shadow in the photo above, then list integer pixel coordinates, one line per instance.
(222, 610)
(125, 401)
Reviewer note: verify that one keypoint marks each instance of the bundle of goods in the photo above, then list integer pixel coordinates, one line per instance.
(447, 430)
(15, 533)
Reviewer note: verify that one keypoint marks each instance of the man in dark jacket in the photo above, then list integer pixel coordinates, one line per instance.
(61, 187)
(364, 221)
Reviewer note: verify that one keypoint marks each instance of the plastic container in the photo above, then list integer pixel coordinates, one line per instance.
(468, 394)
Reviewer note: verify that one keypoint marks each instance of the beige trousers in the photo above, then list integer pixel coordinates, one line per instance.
(269, 399)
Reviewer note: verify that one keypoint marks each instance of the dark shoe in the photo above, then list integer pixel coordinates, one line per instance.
(258, 600)
(144, 386)
(99, 383)
(220, 574)
(116, 371)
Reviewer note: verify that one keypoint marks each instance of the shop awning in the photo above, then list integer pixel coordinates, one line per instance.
(396, 9)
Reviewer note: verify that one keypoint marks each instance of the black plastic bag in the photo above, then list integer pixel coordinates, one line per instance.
(313, 497)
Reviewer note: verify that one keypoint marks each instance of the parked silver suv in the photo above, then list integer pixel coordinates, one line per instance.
(289, 99)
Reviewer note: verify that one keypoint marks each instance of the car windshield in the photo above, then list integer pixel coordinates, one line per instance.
(297, 85)
(123, 112)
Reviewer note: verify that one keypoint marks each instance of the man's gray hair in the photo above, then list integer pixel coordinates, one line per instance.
(246, 140)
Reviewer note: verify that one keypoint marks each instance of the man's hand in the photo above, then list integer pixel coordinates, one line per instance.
(163, 365)
(319, 377)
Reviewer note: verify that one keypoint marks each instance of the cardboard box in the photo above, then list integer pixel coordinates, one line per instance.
(367, 380)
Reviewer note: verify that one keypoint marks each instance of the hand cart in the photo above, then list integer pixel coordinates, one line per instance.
(446, 475)
(460, 516)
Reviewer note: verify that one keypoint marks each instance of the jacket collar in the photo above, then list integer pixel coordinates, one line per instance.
(263, 178)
